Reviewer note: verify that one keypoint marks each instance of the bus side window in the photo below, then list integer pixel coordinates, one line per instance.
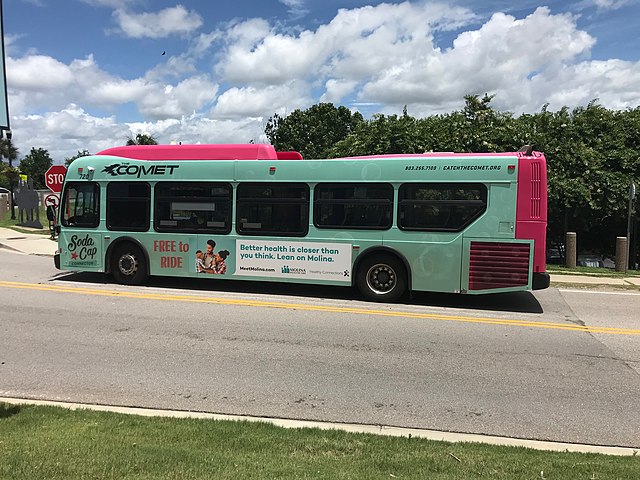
(274, 209)
(128, 206)
(353, 205)
(449, 207)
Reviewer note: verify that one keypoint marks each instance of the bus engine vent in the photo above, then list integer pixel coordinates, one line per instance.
(535, 190)
(498, 265)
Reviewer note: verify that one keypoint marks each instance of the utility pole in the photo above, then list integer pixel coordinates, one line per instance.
(632, 195)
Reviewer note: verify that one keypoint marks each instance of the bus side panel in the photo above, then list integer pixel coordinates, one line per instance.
(434, 258)
(81, 250)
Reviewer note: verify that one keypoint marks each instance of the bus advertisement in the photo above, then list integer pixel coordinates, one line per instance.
(387, 224)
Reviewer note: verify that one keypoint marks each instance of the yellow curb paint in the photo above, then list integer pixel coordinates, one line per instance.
(317, 308)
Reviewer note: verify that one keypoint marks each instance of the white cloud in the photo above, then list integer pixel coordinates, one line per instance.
(166, 22)
(611, 4)
(110, 3)
(297, 8)
(41, 82)
(380, 57)
(65, 132)
(255, 102)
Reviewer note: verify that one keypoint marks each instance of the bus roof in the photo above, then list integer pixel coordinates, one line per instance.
(258, 152)
(201, 152)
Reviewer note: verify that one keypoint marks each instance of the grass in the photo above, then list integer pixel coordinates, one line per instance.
(591, 271)
(13, 224)
(55, 443)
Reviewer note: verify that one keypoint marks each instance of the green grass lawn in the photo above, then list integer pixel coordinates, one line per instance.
(8, 223)
(55, 443)
(592, 271)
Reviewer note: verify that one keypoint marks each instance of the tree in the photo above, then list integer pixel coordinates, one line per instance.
(81, 153)
(142, 139)
(35, 166)
(312, 132)
(10, 152)
(8, 175)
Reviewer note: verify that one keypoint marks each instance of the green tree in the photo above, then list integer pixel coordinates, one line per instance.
(142, 139)
(35, 164)
(10, 152)
(81, 153)
(8, 175)
(312, 132)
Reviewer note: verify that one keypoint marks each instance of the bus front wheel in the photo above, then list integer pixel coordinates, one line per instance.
(129, 265)
(382, 278)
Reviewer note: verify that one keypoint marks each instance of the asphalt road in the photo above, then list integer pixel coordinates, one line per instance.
(555, 365)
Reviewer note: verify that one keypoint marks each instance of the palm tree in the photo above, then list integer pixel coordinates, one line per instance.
(142, 139)
(8, 150)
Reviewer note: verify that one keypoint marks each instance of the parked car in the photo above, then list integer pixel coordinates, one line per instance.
(589, 261)
(555, 255)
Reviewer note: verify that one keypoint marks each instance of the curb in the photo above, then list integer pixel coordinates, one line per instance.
(346, 427)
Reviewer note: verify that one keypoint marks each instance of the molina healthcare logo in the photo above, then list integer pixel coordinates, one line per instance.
(293, 271)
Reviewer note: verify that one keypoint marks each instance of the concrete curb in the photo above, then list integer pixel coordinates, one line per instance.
(347, 427)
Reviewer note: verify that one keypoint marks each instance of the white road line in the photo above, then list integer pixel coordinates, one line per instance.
(347, 427)
(599, 292)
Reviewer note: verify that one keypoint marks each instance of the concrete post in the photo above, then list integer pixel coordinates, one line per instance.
(621, 254)
(570, 250)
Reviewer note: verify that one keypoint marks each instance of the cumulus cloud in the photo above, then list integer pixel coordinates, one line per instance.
(261, 101)
(297, 8)
(41, 82)
(66, 131)
(379, 57)
(166, 22)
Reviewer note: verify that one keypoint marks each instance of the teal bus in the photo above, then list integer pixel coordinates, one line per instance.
(386, 224)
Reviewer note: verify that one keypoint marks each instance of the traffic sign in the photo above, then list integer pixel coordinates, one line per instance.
(52, 200)
(55, 177)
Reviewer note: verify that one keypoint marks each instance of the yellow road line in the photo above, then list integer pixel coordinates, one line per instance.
(316, 308)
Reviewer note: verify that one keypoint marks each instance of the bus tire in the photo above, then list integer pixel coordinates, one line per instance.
(128, 264)
(382, 278)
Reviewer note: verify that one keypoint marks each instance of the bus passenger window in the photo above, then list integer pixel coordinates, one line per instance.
(353, 205)
(440, 206)
(193, 207)
(128, 205)
(273, 209)
(80, 205)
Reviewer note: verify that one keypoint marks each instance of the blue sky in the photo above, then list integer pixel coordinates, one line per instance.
(88, 73)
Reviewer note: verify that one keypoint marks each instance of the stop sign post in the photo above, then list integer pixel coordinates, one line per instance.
(54, 177)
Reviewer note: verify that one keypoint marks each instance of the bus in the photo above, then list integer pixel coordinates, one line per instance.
(388, 225)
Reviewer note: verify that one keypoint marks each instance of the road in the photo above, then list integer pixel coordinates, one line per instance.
(557, 365)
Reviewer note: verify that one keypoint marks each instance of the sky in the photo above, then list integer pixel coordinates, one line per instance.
(87, 74)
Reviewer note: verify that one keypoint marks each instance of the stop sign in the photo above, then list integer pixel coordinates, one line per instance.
(54, 178)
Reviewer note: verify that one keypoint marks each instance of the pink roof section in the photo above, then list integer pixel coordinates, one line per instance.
(253, 152)
(201, 152)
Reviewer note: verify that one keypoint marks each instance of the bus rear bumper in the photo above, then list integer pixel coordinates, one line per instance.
(56, 260)
(540, 281)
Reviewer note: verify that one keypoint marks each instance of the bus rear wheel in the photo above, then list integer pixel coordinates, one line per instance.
(128, 265)
(382, 278)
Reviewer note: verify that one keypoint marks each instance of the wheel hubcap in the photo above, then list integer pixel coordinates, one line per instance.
(127, 264)
(381, 279)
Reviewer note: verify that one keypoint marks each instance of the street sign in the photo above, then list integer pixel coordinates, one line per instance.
(55, 177)
(52, 200)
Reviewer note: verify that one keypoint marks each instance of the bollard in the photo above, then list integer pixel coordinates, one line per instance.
(570, 250)
(621, 254)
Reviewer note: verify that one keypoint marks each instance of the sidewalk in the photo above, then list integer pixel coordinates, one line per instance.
(29, 243)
